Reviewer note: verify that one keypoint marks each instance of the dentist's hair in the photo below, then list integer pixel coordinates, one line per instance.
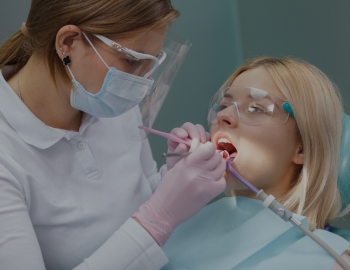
(318, 114)
(109, 18)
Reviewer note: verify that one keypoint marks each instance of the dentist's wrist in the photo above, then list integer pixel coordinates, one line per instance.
(144, 228)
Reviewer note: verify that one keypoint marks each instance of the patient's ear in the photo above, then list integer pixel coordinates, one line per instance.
(299, 155)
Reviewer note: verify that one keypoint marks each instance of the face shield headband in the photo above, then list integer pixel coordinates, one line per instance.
(253, 106)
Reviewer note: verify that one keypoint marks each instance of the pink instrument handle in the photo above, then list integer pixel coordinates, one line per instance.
(169, 136)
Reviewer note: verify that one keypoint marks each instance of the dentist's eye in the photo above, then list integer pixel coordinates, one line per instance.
(131, 62)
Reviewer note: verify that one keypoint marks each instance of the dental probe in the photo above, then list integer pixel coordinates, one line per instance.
(169, 136)
(270, 202)
(187, 153)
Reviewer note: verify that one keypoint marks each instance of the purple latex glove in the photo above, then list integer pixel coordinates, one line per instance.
(184, 190)
(187, 130)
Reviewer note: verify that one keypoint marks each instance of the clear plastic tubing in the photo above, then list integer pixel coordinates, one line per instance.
(240, 178)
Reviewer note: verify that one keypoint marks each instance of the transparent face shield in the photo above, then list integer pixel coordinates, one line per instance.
(251, 105)
(170, 54)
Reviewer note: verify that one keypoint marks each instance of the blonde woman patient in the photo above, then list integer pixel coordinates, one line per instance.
(293, 156)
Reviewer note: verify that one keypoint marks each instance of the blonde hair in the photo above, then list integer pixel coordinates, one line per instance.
(318, 114)
(109, 18)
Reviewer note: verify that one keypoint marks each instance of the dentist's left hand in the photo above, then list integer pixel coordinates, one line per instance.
(187, 130)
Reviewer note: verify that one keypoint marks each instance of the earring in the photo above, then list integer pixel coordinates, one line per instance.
(61, 49)
(66, 60)
(299, 150)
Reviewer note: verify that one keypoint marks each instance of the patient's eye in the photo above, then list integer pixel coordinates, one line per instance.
(256, 109)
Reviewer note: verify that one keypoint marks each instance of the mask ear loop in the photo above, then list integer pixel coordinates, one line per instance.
(96, 50)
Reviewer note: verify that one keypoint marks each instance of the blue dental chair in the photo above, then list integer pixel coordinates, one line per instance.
(341, 225)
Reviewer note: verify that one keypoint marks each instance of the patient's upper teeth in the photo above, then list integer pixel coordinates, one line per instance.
(224, 140)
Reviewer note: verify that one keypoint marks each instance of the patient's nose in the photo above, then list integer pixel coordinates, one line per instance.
(228, 117)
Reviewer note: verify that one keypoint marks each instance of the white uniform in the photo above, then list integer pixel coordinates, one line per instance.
(66, 197)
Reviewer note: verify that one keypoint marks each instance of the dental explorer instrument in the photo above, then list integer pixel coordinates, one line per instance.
(169, 136)
(271, 203)
(176, 154)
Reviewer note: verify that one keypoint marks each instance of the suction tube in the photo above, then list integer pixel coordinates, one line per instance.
(240, 178)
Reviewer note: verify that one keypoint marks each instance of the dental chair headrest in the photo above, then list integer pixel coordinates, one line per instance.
(344, 167)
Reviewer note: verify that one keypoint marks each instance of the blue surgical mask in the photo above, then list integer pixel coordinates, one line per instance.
(120, 92)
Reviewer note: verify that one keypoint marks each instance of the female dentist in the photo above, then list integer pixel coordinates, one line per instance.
(74, 167)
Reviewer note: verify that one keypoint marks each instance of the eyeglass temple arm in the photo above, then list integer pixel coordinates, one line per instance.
(133, 54)
(286, 106)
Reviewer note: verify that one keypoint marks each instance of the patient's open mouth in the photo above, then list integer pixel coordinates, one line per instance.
(224, 144)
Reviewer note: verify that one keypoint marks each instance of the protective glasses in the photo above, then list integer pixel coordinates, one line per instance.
(253, 106)
(136, 63)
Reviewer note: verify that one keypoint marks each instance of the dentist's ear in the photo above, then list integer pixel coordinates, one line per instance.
(68, 39)
(299, 155)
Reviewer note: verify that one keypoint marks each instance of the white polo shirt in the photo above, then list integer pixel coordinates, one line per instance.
(66, 197)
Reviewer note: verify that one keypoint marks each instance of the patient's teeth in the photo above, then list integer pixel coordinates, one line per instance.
(224, 140)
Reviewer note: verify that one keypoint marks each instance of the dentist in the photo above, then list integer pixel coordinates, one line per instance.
(79, 188)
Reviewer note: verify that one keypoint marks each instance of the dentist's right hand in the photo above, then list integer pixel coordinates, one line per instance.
(184, 190)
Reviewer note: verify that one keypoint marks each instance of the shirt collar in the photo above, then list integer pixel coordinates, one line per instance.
(25, 123)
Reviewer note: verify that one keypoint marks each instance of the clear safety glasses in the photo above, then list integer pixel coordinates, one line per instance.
(131, 61)
(137, 63)
(253, 106)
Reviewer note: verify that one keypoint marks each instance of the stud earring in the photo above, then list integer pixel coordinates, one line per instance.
(66, 60)
(61, 49)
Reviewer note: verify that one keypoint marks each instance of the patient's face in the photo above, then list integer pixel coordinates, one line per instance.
(265, 155)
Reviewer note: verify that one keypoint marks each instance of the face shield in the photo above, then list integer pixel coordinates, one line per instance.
(161, 71)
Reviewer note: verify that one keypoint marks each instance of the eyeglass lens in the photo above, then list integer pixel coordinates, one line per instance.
(253, 106)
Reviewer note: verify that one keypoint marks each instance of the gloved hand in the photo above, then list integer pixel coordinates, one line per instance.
(184, 190)
(187, 130)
